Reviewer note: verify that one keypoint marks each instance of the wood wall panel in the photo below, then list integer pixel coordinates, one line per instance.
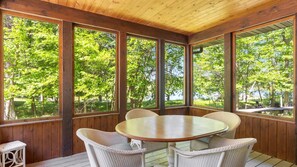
(275, 137)
(264, 136)
(256, 133)
(46, 134)
(291, 142)
(90, 123)
(37, 143)
(177, 111)
(97, 125)
(241, 128)
(76, 140)
(248, 127)
(199, 112)
(42, 139)
(281, 140)
(28, 139)
(56, 134)
(111, 123)
(272, 138)
(18, 132)
(101, 122)
(6, 134)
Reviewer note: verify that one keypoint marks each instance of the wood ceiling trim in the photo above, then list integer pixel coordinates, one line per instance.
(50, 10)
(280, 10)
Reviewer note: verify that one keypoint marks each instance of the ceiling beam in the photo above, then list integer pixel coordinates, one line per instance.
(280, 10)
(53, 11)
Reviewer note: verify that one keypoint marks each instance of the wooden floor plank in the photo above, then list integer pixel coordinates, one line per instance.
(253, 155)
(284, 164)
(61, 160)
(156, 158)
(270, 162)
(257, 160)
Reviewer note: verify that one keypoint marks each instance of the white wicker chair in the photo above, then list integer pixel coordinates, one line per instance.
(231, 119)
(150, 146)
(222, 153)
(106, 149)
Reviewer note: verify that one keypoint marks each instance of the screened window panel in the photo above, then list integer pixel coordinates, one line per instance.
(174, 74)
(208, 74)
(31, 68)
(264, 70)
(141, 73)
(95, 71)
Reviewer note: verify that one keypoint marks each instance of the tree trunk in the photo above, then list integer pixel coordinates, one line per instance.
(272, 96)
(238, 100)
(287, 65)
(33, 106)
(132, 103)
(42, 101)
(113, 103)
(9, 110)
(245, 96)
(167, 97)
(259, 91)
(85, 106)
(286, 99)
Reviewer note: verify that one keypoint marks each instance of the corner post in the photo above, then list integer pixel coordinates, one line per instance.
(295, 82)
(188, 77)
(229, 72)
(161, 77)
(122, 75)
(67, 85)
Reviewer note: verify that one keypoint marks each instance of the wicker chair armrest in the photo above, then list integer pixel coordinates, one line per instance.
(218, 141)
(125, 152)
(120, 158)
(190, 154)
(241, 143)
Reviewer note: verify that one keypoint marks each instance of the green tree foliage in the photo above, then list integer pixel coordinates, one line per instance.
(141, 73)
(264, 69)
(208, 76)
(95, 71)
(174, 74)
(30, 68)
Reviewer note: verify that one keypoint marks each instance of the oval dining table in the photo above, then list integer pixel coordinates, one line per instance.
(171, 129)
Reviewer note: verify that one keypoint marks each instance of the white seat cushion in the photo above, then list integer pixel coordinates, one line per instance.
(200, 144)
(121, 146)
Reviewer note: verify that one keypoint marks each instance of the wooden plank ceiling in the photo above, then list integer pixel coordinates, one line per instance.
(182, 16)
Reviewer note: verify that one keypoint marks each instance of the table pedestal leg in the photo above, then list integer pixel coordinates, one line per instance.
(171, 154)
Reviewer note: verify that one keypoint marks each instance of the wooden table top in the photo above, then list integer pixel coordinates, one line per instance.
(170, 128)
